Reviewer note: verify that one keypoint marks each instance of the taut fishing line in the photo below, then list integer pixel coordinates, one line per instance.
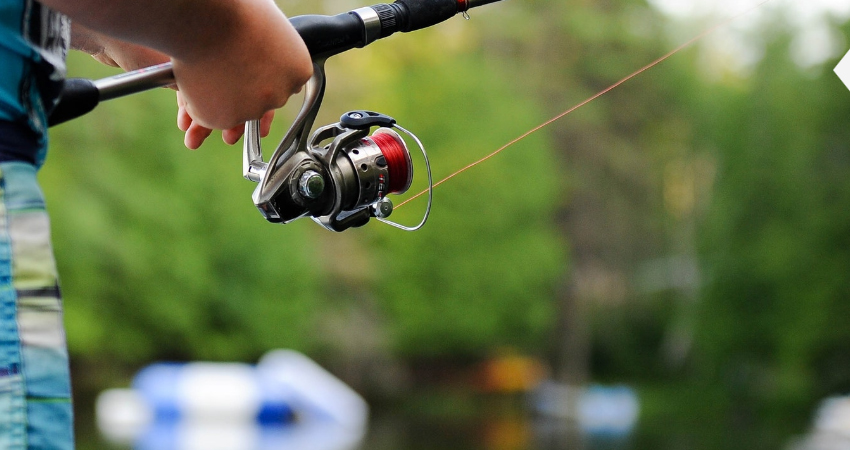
(643, 69)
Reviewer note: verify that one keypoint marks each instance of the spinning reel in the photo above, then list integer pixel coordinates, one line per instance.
(340, 175)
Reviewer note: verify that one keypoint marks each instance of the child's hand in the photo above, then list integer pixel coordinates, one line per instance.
(196, 134)
(250, 69)
(233, 60)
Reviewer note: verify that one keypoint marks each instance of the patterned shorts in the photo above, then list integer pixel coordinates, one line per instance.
(35, 391)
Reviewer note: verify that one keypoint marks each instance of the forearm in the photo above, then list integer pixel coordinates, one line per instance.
(112, 51)
(179, 28)
(84, 39)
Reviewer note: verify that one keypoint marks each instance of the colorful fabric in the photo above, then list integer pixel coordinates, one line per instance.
(34, 41)
(35, 390)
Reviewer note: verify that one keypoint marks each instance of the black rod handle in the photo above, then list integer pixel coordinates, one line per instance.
(79, 97)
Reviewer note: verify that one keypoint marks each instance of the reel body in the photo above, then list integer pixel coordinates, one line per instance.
(343, 183)
(341, 175)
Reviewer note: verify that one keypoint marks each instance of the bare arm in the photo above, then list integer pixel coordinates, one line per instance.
(114, 52)
(233, 60)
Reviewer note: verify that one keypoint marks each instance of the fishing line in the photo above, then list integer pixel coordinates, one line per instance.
(643, 69)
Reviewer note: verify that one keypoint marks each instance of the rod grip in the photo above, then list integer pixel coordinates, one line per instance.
(329, 35)
(425, 13)
(79, 97)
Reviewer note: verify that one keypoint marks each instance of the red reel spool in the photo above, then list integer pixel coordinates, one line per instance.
(399, 164)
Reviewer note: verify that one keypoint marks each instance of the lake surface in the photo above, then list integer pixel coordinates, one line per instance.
(506, 424)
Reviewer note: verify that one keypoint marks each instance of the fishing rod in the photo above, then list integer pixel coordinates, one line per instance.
(340, 175)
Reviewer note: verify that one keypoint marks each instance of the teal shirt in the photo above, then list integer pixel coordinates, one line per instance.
(33, 43)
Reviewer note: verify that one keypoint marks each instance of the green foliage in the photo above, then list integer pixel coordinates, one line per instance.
(482, 273)
(775, 235)
(163, 256)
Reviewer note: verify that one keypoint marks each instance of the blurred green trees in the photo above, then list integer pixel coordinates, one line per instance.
(772, 324)
(163, 255)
